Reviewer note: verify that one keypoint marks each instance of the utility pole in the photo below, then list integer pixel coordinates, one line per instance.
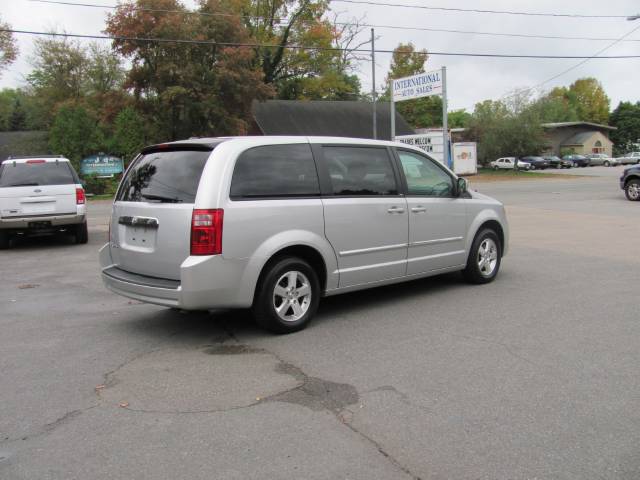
(445, 120)
(373, 84)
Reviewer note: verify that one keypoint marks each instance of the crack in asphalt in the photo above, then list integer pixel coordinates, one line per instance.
(49, 427)
(311, 392)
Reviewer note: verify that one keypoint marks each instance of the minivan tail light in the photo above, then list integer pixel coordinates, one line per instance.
(80, 196)
(206, 232)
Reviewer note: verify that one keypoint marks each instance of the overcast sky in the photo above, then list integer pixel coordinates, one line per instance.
(470, 80)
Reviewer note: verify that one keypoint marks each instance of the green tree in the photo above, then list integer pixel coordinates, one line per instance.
(58, 73)
(506, 128)
(18, 120)
(459, 118)
(422, 112)
(590, 100)
(626, 118)
(557, 106)
(129, 134)
(8, 46)
(188, 89)
(74, 134)
(104, 71)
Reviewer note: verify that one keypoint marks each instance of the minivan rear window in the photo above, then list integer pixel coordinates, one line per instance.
(33, 174)
(275, 171)
(164, 177)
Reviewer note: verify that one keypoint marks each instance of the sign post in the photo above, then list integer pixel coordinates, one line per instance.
(417, 86)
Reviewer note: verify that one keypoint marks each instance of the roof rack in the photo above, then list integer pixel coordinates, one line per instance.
(22, 157)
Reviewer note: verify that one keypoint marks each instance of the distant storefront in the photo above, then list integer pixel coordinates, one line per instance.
(580, 138)
(101, 165)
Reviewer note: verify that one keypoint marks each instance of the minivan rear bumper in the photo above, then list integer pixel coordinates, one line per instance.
(205, 283)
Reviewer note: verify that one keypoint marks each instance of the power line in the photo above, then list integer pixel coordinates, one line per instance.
(367, 25)
(475, 10)
(595, 55)
(148, 9)
(305, 47)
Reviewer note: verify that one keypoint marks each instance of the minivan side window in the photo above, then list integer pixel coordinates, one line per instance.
(360, 171)
(424, 177)
(275, 171)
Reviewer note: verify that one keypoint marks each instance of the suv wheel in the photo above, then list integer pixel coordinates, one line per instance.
(484, 259)
(5, 240)
(81, 233)
(632, 190)
(606, 163)
(287, 296)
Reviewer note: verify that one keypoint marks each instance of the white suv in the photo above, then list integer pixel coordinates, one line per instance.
(41, 195)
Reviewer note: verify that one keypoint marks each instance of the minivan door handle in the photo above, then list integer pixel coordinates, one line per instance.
(395, 210)
(419, 209)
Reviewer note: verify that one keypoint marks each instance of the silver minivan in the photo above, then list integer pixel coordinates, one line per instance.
(275, 223)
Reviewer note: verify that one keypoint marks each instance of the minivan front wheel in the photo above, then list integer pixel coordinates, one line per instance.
(632, 190)
(287, 297)
(484, 259)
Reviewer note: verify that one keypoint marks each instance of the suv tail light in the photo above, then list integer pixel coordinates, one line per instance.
(80, 197)
(206, 232)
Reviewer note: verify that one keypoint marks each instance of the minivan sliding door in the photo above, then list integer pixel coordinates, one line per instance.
(366, 218)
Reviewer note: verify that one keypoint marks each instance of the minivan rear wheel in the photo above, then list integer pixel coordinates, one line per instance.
(484, 259)
(287, 296)
(632, 190)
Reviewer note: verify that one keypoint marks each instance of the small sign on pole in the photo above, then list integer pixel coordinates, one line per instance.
(417, 86)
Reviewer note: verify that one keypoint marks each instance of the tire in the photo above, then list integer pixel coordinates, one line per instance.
(632, 190)
(496, 168)
(279, 277)
(532, 167)
(81, 233)
(607, 163)
(5, 240)
(473, 272)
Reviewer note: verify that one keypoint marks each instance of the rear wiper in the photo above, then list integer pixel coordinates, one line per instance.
(161, 198)
(32, 184)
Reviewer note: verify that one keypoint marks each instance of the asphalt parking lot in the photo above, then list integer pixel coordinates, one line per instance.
(535, 376)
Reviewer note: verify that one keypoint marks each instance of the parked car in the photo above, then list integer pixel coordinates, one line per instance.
(557, 162)
(577, 160)
(509, 163)
(630, 183)
(537, 163)
(602, 159)
(275, 223)
(629, 159)
(41, 196)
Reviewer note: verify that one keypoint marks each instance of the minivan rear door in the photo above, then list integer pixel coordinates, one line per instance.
(37, 188)
(151, 217)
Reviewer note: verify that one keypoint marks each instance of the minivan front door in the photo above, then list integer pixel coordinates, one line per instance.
(437, 219)
(366, 219)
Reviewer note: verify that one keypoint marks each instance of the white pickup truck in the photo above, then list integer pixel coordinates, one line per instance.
(41, 195)
(629, 159)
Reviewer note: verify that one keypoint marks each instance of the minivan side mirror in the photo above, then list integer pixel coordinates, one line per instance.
(461, 187)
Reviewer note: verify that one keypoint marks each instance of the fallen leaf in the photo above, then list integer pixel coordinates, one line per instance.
(124, 404)
(28, 285)
(99, 387)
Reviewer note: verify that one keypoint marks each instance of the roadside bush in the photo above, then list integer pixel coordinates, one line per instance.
(100, 186)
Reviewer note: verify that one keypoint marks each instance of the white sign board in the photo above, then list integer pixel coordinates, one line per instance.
(465, 158)
(417, 86)
(430, 142)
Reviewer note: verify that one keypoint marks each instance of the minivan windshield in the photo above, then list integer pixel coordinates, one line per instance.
(164, 177)
(34, 174)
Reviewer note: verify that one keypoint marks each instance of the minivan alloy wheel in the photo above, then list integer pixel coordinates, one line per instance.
(487, 257)
(292, 296)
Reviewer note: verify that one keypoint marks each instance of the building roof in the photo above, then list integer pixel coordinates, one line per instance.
(326, 118)
(578, 139)
(595, 126)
